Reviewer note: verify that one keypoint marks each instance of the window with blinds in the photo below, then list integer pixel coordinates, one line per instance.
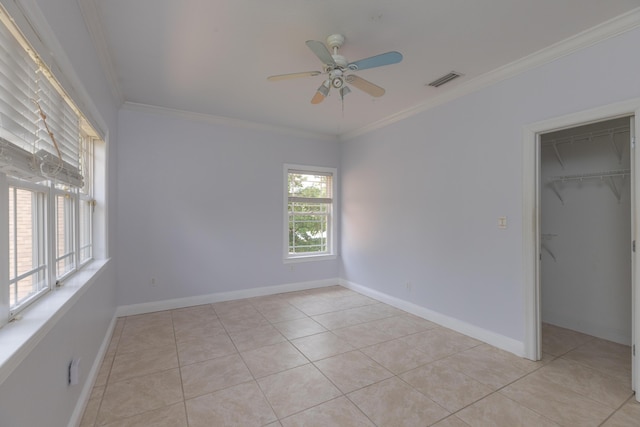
(39, 127)
(46, 176)
(310, 207)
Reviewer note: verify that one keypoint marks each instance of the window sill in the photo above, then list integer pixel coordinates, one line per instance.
(308, 258)
(21, 336)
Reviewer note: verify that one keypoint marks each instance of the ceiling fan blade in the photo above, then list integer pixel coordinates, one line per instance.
(376, 61)
(321, 52)
(293, 75)
(365, 86)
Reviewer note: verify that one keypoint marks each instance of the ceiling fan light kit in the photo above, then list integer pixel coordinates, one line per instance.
(340, 71)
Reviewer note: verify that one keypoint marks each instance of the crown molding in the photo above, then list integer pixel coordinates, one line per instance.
(226, 121)
(91, 15)
(608, 29)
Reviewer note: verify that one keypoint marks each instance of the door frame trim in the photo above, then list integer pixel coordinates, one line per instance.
(531, 219)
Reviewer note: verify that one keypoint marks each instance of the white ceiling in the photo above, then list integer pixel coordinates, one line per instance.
(213, 56)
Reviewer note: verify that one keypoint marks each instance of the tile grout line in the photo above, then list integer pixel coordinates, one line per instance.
(175, 341)
(288, 340)
(106, 385)
(342, 394)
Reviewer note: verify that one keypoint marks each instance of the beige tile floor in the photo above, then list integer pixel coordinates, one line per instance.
(332, 357)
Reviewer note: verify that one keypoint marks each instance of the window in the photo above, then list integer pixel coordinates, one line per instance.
(65, 202)
(310, 228)
(46, 177)
(27, 243)
(87, 202)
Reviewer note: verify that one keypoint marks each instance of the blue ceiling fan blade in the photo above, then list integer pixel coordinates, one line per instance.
(376, 61)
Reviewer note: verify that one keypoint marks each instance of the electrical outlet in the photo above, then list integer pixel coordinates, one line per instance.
(408, 286)
(153, 282)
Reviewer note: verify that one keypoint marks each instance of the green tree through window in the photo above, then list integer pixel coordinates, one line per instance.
(309, 209)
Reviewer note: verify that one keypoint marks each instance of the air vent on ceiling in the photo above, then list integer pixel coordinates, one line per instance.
(444, 79)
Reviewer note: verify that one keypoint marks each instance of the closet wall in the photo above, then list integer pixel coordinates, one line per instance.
(586, 230)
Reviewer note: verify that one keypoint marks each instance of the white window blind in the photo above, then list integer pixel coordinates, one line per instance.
(39, 129)
(18, 117)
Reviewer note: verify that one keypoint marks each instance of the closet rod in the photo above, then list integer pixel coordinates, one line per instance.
(603, 176)
(595, 175)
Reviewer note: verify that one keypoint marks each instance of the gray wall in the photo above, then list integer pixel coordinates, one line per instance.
(421, 198)
(36, 393)
(201, 207)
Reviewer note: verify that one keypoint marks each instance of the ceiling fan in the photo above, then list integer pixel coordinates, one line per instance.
(338, 70)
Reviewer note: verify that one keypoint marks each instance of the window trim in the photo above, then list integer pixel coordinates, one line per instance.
(77, 117)
(23, 336)
(332, 248)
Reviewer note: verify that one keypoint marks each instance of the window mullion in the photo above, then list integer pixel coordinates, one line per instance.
(5, 297)
(70, 228)
(76, 228)
(35, 238)
(50, 235)
(15, 232)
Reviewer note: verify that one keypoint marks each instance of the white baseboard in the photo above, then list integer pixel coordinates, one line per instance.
(150, 307)
(489, 337)
(85, 394)
(497, 340)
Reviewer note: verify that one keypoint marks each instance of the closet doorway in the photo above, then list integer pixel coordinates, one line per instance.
(564, 185)
(585, 245)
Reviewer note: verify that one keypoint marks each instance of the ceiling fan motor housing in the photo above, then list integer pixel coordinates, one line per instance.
(335, 41)
(340, 61)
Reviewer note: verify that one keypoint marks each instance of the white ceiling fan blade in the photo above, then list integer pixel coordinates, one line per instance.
(365, 85)
(279, 77)
(321, 52)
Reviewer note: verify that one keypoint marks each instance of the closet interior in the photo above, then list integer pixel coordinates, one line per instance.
(585, 223)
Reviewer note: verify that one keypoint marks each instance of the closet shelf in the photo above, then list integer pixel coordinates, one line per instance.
(607, 177)
(588, 137)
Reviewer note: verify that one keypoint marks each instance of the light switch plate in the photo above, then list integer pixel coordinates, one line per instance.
(502, 222)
